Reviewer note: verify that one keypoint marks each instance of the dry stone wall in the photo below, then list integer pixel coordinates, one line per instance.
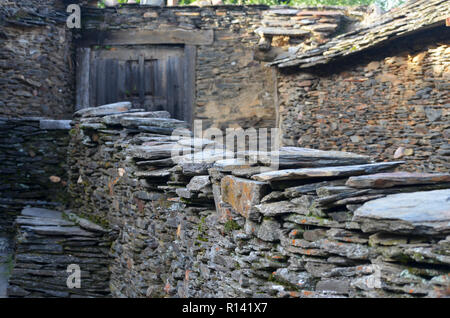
(327, 224)
(391, 103)
(33, 158)
(33, 154)
(48, 242)
(35, 60)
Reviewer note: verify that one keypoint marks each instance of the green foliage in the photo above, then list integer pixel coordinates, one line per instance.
(230, 226)
(101, 3)
(202, 231)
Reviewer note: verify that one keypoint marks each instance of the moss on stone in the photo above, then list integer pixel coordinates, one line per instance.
(231, 225)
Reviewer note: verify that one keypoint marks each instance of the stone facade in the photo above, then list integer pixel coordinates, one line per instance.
(390, 103)
(233, 88)
(36, 60)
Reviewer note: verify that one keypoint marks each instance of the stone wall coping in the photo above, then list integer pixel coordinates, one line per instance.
(44, 123)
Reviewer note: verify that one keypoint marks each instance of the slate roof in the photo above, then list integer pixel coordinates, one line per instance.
(405, 20)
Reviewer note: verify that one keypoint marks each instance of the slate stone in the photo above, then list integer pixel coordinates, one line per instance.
(161, 173)
(152, 122)
(59, 230)
(269, 230)
(42, 221)
(50, 124)
(334, 285)
(311, 173)
(41, 213)
(280, 207)
(153, 152)
(300, 280)
(116, 119)
(198, 183)
(426, 213)
(388, 180)
(310, 158)
(104, 110)
(242, 194)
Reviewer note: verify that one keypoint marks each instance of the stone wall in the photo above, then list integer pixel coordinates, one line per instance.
(36, 60)
(48, 242)
(33, 167)
(33, 158)
(390, 102)
(221, 228)
(232, 86)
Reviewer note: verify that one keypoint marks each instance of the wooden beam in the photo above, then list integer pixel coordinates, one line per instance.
(134, 37)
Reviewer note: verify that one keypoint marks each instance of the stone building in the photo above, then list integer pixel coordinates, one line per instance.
(331, 78)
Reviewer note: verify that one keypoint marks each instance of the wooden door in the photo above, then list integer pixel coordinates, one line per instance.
(151, 77)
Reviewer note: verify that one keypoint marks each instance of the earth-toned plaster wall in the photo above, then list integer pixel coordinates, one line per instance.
(391, 103)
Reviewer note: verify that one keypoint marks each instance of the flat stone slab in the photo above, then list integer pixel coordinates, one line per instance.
(280, 207)
(40, 221)
(281, 31)
(152, 122)
(104, 110)
(116, 119)
(206, 156)
(243, 194)
(310, 173)
(160, 173)
(41, 213)
(51, 124)
(388, 180)
(199, 143)
(422, 213)
(157, 152)
(59, 230)
(198, 183)
(298, 157)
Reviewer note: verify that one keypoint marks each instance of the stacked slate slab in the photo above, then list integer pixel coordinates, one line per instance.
(348, 230)
(47, 243)
(404, 20)
(197, 221)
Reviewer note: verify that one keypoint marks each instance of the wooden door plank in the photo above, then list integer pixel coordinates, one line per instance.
(93, 70)
(83, 64)
(101, 75)
(121, 80)
(142, 81)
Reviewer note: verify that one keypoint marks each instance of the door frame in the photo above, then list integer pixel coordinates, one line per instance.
(118, 38)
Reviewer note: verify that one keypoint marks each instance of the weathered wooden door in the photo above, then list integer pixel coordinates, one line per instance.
(151, 77)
